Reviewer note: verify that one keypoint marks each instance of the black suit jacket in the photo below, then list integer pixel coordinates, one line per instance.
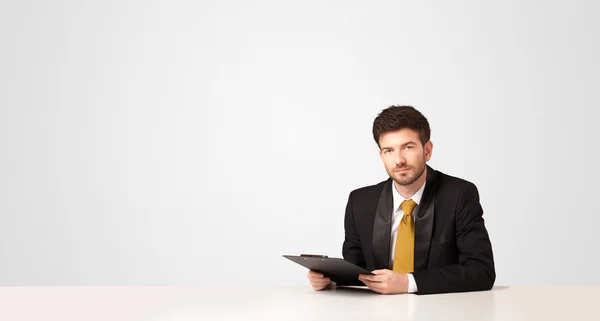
(453, 252)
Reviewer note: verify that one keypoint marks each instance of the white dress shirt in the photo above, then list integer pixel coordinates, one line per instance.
(396, 219)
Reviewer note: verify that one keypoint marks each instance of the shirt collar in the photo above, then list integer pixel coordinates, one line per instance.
(398, 199)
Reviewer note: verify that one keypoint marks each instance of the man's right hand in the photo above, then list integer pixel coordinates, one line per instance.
(318, 281)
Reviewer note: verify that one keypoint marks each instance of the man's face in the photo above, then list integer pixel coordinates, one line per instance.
(403, 155)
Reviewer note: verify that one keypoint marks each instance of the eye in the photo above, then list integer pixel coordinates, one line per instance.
(408, 147)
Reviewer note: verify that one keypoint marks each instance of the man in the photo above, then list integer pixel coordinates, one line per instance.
(420, 231)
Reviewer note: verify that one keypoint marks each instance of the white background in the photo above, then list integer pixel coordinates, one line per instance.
(195, 142)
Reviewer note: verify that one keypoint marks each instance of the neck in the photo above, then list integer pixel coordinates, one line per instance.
(407, 191)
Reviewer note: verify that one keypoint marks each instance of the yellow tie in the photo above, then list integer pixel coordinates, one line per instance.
(404, 254)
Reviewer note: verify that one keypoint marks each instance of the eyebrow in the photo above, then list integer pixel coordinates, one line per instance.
(405, 144)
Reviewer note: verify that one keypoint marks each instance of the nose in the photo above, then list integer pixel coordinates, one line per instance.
(399, 159)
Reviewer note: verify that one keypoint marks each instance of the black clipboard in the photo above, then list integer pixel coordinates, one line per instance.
(338, 270)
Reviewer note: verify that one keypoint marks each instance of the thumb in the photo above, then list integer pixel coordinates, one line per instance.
(379, 272)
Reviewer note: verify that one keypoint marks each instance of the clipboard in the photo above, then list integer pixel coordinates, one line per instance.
(338, 270)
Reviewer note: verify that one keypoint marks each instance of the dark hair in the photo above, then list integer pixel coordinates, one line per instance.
(399, 117)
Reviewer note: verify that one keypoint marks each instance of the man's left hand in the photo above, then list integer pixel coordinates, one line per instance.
(385, 282)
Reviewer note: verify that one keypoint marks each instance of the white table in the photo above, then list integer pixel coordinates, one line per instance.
(293, 303)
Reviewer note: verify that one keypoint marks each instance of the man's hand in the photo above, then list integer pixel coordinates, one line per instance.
(385, 282)
(317, 280)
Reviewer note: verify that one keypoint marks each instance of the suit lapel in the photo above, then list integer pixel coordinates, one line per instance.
(424, 221)
(382, 227)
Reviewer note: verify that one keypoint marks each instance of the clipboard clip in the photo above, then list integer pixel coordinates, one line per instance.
(314, 255)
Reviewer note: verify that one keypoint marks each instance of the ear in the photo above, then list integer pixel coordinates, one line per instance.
(428, 150)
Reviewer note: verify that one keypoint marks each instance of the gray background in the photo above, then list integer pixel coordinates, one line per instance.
(176, 142)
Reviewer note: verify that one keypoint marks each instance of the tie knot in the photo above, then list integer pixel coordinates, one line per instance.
(408, 206)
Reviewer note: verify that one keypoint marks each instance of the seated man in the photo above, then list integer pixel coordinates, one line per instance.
(420, 231)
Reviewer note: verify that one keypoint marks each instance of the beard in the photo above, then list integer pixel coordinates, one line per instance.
(404, 179)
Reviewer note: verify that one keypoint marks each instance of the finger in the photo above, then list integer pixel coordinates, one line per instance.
(319, 288)
(371, 278)
(320, 282)
(377, 287)
(318, 279)
(375, 284)
(380, 272)
(315, 274)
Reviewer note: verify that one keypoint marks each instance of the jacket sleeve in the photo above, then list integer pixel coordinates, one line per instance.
(475, 268)
(351, 248)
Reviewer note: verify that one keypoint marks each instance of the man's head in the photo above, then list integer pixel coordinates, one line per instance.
(403, 136)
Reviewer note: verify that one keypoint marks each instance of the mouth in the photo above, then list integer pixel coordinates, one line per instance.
(401, 170)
